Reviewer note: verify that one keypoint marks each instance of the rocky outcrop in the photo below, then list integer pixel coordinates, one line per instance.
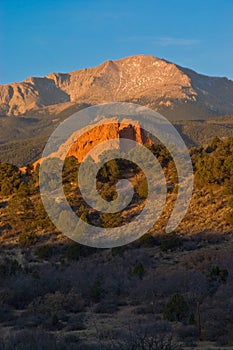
(33, 93)
(83, 141)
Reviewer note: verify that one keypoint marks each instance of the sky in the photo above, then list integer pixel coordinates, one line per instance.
(39, 37)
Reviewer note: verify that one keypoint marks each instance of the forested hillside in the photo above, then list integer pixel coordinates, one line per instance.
(51, 284)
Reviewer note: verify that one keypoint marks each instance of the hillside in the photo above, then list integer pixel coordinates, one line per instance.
(56, 292)
(23, 138)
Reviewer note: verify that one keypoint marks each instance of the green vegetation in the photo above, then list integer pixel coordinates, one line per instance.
(175, 309)
(138, 270)
(111, 220)
(96, 291)
(214, 165)
(10, 179)
(76, 250)
(217, 273)
(10, 267)
(27, 239)
(123, 294)
(169, 241)
(29, 134)
(44, 252)
(142, 189)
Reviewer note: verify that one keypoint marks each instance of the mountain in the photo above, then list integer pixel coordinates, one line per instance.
(31, 110)
(177, 92)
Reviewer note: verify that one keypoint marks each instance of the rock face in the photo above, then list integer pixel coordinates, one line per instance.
(83, 141)
(147, 80)
(33, 93)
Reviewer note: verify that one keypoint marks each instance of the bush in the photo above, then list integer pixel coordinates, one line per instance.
(142, 189)
(169, 241)
(96, 291)
(36, 274)
(76, 250)
(111, 220)
(229, 217)
(138, 270)
(175, 309)
(218, 274)
(54, 320)
(191, 319)
(106, 307)
(44, 251)
(146, 341)
(28, 340)
(77, 322)
(27, 239)
(10, 267)
(54, 302)
(148, 240)
(118, 250)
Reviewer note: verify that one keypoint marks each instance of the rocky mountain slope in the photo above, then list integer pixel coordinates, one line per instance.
(177, 92)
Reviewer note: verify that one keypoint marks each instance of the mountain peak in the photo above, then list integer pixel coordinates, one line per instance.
(143, 79)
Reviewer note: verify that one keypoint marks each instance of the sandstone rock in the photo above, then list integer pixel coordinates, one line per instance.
(83, 141)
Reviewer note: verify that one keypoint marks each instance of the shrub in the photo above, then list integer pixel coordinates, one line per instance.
(73, 252)
(147, 240)
(77, 322)
(229, 217)
(55, 302)
(118, 250)
(176, 308)
(142, 189)
(108, 192)
(27, 239)
(191, 319)
(27, 340)
(44, 251)
(96, 291)
(10, 267)
(36, 275)
(138, 270)
(76, 250)
(54, 320)
(146, 341)
(106, 307)
(169, 241)
(111, 220)
(218, 274)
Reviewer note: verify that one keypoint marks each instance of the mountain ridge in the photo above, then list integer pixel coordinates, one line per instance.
(175, 91)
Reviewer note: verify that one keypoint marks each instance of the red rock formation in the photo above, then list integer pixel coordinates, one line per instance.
(83, 141)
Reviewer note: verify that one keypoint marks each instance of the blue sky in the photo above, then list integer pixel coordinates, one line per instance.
(39, 37)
